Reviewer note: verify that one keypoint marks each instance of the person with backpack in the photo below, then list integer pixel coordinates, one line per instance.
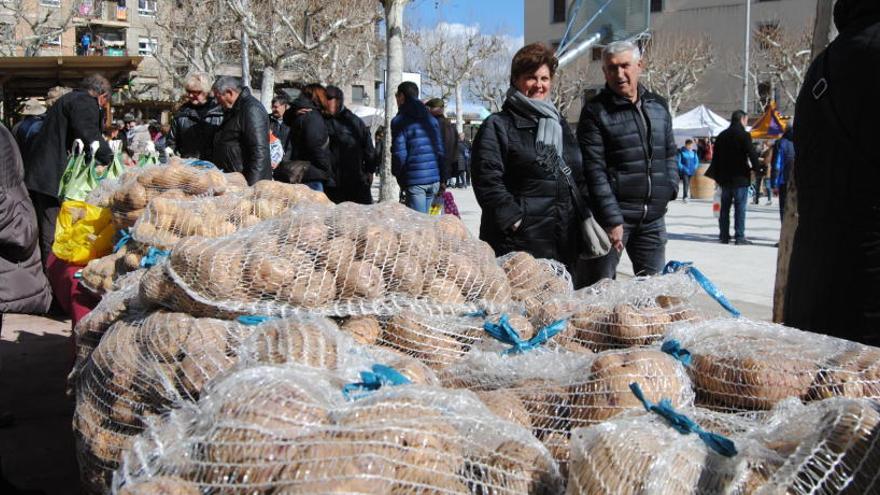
(688, 161)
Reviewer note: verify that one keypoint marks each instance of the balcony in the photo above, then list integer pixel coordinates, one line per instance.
(100, 12)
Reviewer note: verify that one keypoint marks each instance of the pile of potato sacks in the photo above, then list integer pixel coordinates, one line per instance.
(228, 368)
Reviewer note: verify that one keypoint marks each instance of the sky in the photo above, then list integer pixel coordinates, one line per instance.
(493, 16)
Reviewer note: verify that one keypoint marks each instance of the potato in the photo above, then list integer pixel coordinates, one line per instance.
(309, 289)
(361, 280)
(364, 329)
(302, 343)
(749, 382)
(444, 292)
(338, 254)
(406, 276)
(524, 271)
(516, 467)
(378, 245)
(413, 334)
(853, 373)
(547, 404)
(507, 406)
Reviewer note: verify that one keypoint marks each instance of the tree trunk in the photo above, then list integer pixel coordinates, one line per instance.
(267, 88)
(823, 32)
(388, 189)
(459, 112)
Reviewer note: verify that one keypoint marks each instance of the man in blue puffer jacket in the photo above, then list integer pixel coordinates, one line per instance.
(687, 166)
(417, 149)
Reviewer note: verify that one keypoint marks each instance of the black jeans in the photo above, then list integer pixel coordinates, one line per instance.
(685, 185)
(738, 196)
(645, 245)
(46, 208)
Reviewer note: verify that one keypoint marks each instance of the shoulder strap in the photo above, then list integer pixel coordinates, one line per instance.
(582, 211)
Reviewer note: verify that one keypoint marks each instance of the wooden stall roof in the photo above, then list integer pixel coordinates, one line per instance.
(27, 77)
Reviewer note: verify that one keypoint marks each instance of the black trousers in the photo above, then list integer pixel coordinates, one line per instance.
(645, 244)
(47, 208)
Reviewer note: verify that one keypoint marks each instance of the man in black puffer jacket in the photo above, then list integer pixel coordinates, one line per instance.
(194, 125)
(242, 142)
(730, 169)
(629, 153)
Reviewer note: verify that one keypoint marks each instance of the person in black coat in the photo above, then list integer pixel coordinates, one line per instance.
(630, 161)
(730, 169)
(353, 152)
(280, 104)
(312, 162)
(195, 123)
(833, 282)
(242, 142)
(450, 140)
(76, 115)
(527, 204)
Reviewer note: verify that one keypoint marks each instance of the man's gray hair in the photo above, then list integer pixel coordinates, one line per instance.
(96, 83)
(622, 47)
(228, 83)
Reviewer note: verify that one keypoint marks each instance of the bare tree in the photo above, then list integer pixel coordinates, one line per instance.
(490, 85)
(569, 85)
(675, 65)
(284, 33)
(343, 59)
(199, 36)
(33, 27)
(394, 31)
(451, 55)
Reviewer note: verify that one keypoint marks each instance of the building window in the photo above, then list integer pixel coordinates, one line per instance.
(52, 42)
(147, 7)
(358, 93)
(147, 47)
(51, 3)
(559, 9)
(596, 53)
(656, 5)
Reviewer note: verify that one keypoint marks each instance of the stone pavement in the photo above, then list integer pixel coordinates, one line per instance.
(746, 274)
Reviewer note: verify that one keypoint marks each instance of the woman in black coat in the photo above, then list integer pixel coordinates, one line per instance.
(312, 162)
(526, 201)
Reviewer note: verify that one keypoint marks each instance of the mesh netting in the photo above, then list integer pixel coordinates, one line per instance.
(534, 282)
(165, 221)
(115, 305)
(100, 274)
(137, 187)
(623, 314)
(144, 366)
(342, 260)
(553, 392)
(826, 447)
(290, 431)
(741, 365)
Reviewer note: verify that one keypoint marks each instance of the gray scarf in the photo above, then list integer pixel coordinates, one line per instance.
(542, 112)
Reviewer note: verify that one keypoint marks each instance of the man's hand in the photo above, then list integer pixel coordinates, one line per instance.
(615, 234)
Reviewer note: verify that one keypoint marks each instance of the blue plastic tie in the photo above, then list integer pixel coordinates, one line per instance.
(253, 320)
(480, 313)
(124, 237)
(505, 333)
(674, 349)
(379, 376)
(684, 424)
(705, 283)
(153, 257)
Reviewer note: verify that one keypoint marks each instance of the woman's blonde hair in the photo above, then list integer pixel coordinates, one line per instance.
(199, 81)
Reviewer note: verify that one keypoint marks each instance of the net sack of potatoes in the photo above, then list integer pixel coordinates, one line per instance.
(742, 365)
(623, 314)
(100, 274)
(341, 260)
(830, 446)
(166, 221)
(137, 187)
(144, 367)
(642, 452)
(123, 302)
(551, 392)
(535, 281)
(268, 430)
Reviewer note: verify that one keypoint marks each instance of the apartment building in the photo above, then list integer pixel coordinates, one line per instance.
(721, 21)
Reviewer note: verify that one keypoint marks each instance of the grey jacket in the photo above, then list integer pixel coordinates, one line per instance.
(23, 286)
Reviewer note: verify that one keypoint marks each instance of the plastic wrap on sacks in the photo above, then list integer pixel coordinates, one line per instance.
(623, 314)
(741, 365)
(343, 260)
(553, 392)
(166, 220)
(286, 431)
(146, 366)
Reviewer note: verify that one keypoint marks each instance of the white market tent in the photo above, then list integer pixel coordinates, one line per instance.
(699, 122)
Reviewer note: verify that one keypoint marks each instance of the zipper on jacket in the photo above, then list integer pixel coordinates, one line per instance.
(649, 154)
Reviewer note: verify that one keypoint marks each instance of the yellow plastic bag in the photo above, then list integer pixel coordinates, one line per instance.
(83, 232)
